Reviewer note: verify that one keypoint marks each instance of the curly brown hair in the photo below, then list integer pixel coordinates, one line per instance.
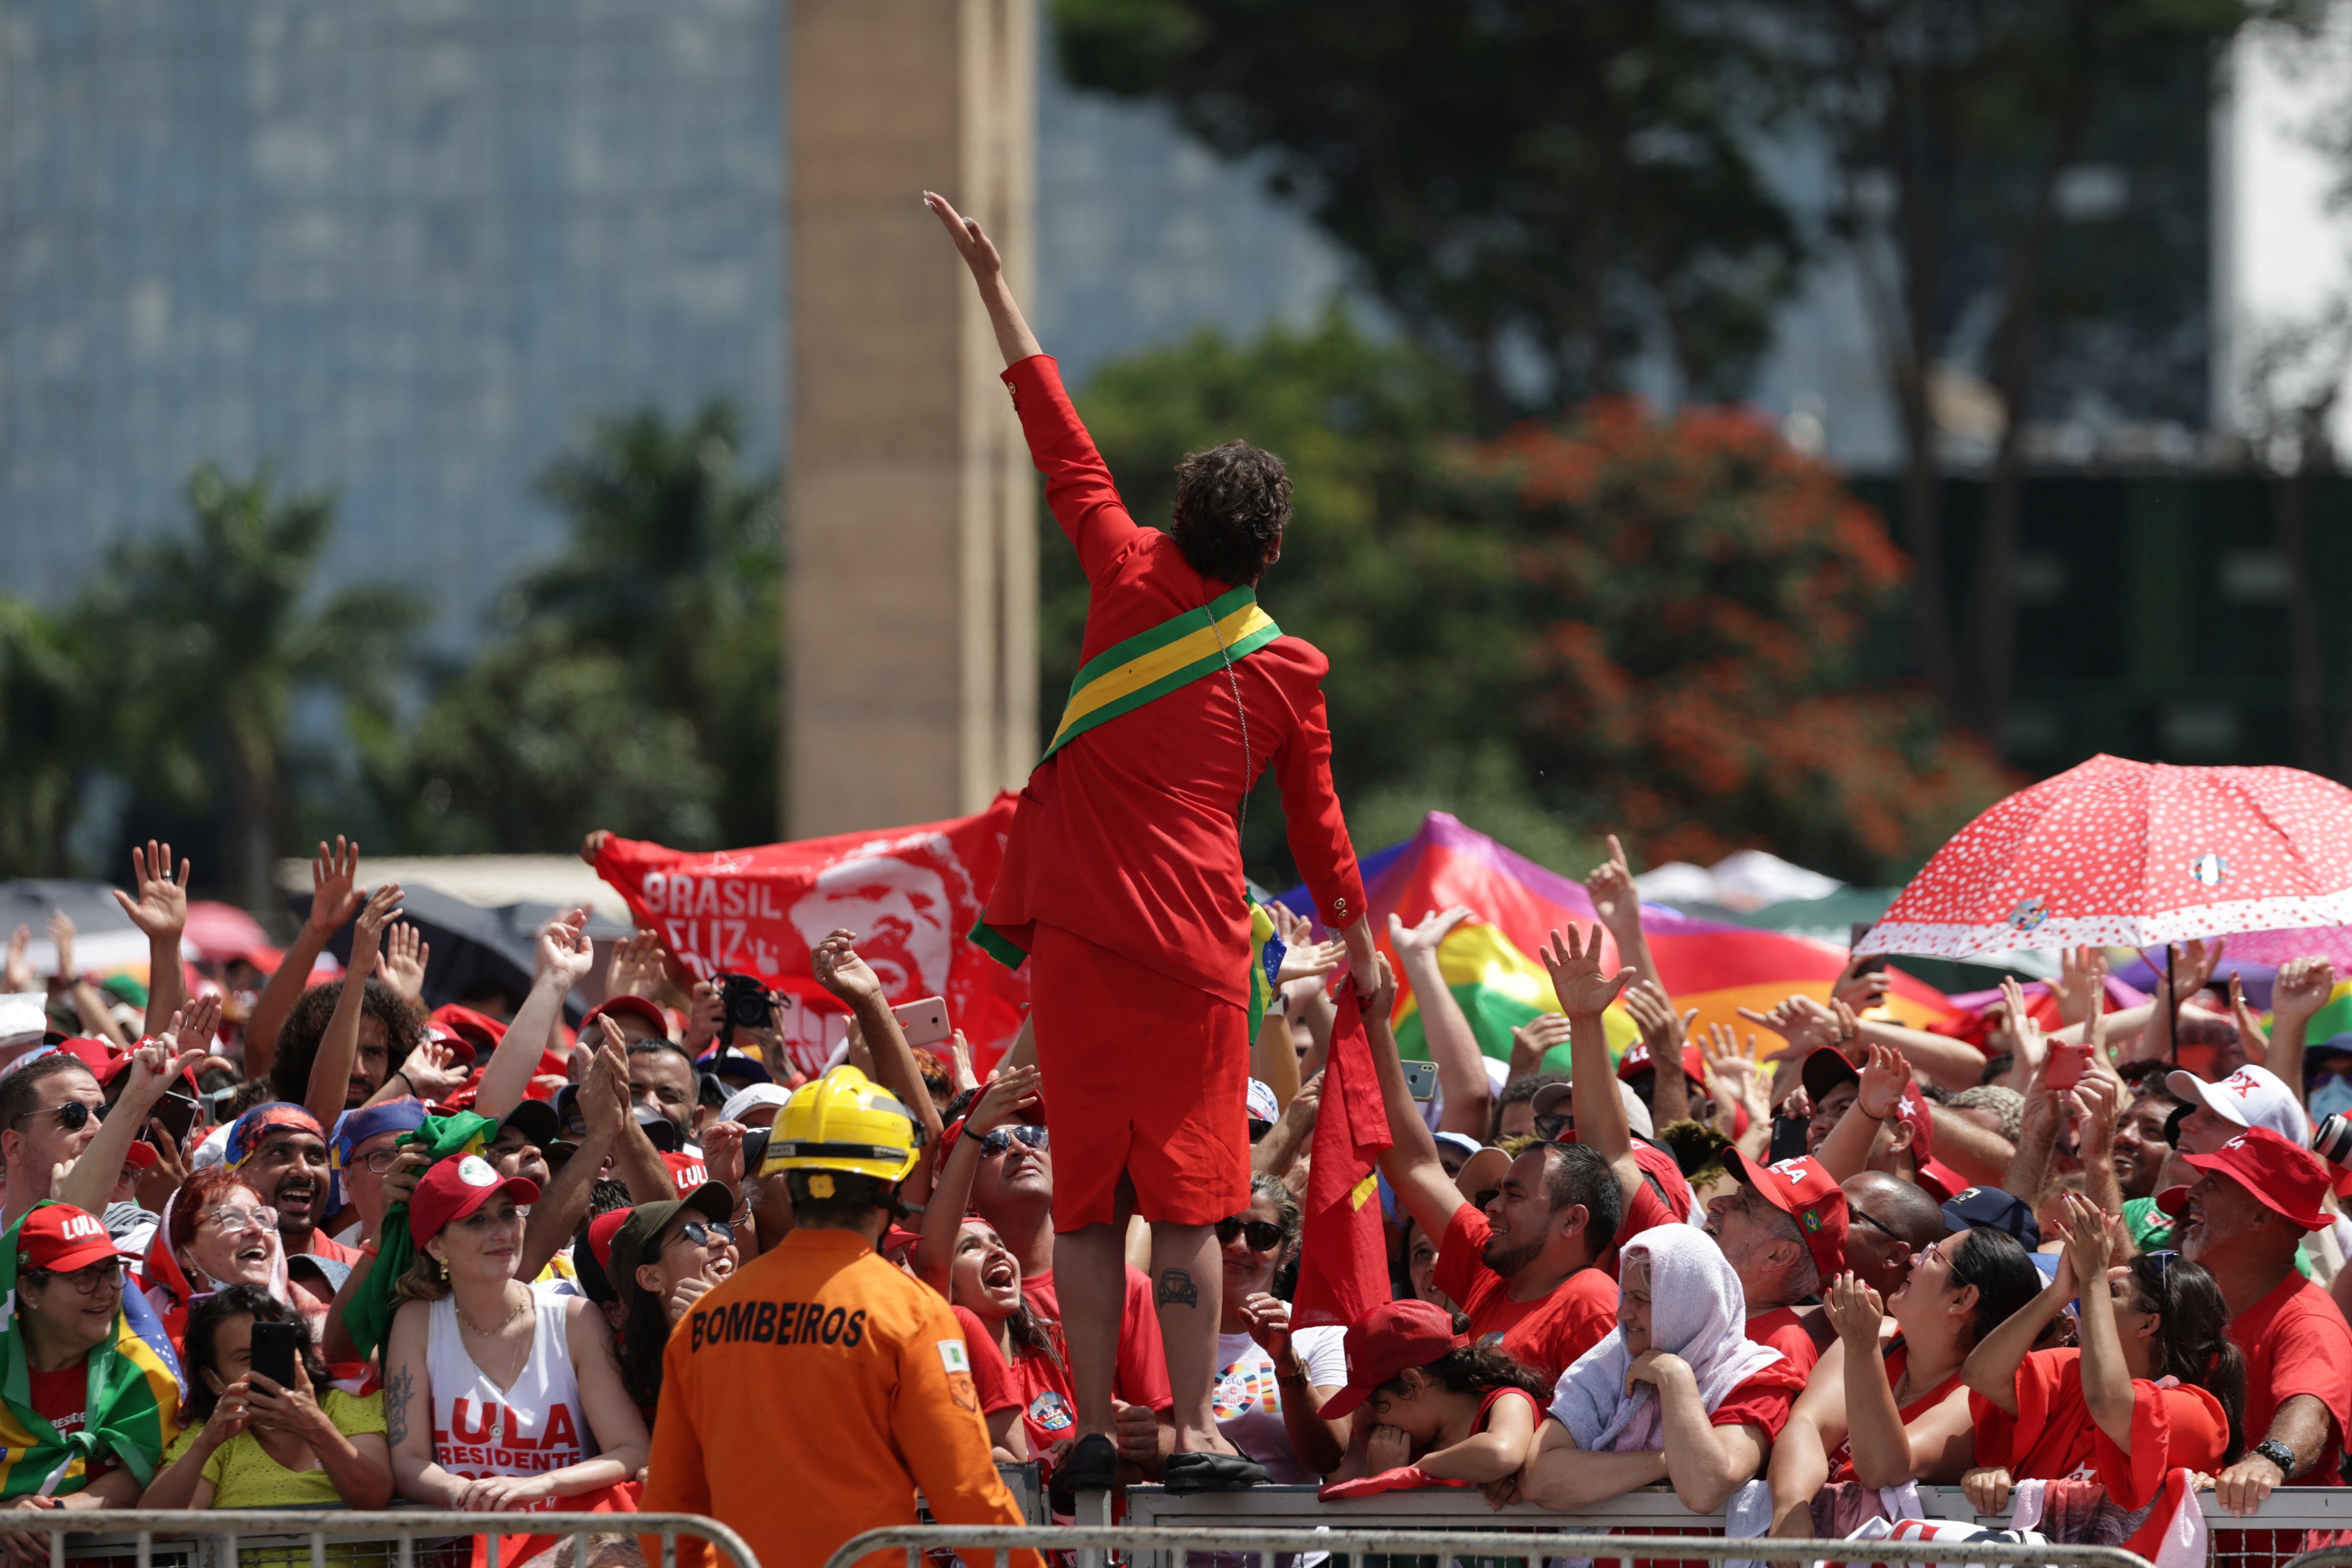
(1232, 503)
(306, 1026)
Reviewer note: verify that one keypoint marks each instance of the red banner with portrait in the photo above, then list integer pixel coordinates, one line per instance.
(909, 893)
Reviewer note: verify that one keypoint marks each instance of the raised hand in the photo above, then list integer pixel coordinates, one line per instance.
(636, 969)
(1576, 978)
(1862, 990)
(1732, 1077)
(1534, 1040)
(432, 1071)
(1311, 962)
(2301, 989)
(2090, 1243)
(334, 899)
(401, 964)
(161, 908)
(1804, 1024)
(1653, 1014)
(564, 949)
(723, 1153)
(383, 907)
(2250, 1028)
(2082, 987)
(157, 1062)
(1001, 1103)
(1383, 999)
(1609, 886)
(979, 251)
(2192, 965)
(1855, 1312)
(1885, 1077)
(195, 1026)
(839, 970)
(1412, 942)
(19, 973)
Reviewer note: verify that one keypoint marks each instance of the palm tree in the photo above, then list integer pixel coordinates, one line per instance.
(203, 641)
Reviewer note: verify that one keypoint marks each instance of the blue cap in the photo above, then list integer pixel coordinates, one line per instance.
(1995, 1210)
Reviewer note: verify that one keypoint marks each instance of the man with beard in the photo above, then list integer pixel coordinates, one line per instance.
(2253, 1200)
(281, 1152)
(1783, 1230)
(1524, 1269)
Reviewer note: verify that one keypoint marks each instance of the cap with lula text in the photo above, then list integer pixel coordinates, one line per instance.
(62, 1239)
(1804, 1191)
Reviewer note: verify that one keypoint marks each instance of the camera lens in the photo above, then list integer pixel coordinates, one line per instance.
(2332, 1140)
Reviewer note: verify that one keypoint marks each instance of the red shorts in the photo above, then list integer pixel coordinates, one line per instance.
(1145, 1076)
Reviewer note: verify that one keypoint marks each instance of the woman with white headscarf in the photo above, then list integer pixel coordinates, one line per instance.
(1678, 1394)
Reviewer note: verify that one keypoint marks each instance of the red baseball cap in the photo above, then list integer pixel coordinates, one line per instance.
(1637, 1059)
(2287, 1178)
(1807, 1193)
(61, 1239)
(688, 1171)
(463, 1026)
(639, 1007)
(455, 1188)
(1393, 1336)
(600, 1232)
(142, 1155)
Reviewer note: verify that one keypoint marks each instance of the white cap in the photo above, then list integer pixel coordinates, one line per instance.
(1637, 1115)
(2251, 1097)
(24, 1017)
(1262, 1102)
(747, 1100)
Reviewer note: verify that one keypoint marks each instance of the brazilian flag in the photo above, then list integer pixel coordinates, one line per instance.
(368, 1314)
(134, 1409)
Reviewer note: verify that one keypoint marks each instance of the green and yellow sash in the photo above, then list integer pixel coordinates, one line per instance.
(1142, 669)
(1149, 664)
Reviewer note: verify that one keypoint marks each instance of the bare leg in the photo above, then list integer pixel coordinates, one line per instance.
(1090, 1280)
(1187, 1288)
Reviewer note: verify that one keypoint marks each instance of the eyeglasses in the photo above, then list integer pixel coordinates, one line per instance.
(712, 1233)
(1864, 1216)
(998, 1142)
(90, 1281)
(376, 1162)
(237, 1219)
(72, 1116)
(1263, 1235)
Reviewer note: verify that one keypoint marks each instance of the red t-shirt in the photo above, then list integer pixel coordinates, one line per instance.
(990, 1377)
(1645, 1209)
(1126, 834)
(2053, 1435)
(1548, 1333)
(1785, 1331)
(62, 1399)
(1141, 1375)
(1763, 1400)
(2295, 1342)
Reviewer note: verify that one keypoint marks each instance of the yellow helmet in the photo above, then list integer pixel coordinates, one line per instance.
(844, 1122)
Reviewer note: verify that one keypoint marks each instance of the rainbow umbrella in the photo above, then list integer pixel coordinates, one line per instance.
(1490, 960)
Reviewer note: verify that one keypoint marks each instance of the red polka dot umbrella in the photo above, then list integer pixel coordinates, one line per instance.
(2123, 854)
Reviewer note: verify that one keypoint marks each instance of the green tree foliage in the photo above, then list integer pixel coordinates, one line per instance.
(51, 738)
(195, 647)
(638, 687)
(1564, 183)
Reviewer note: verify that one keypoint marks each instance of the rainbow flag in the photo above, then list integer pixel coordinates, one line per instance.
(1489, 961)
(2335, 1018)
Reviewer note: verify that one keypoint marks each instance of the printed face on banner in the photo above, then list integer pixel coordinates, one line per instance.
(901, 909)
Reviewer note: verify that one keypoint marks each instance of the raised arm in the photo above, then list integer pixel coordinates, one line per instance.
(1410, 1161)
(1013, 337)
(1618, 907)
(1461, 1065)
(1662, 1031)
(998, 1105)
(565, 955)
(339, 1047)
(1584, 994)
(2090, 1248)
(334, 899)
(1846, 1151)
(160, 910)
(2301, 989)
(1991, 1367)
(841, 972)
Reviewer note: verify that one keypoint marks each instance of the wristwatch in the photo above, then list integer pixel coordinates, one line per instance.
(2278, 1454)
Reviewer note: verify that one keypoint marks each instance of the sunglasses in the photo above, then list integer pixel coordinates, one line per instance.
(72, 1116)
(996, 1143)
(707, 1233)
(1877, 1225)
(1263, 1235)
(1258, 1128)
(1550, 1128)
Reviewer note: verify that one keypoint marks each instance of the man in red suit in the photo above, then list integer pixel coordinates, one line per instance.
(1122, 882)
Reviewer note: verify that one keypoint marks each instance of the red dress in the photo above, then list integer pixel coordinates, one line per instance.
(1122, 874)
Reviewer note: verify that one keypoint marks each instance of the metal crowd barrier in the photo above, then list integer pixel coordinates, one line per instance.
(417, 1538)
(1162, 1543)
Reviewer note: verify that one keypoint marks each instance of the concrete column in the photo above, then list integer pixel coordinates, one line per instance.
(911, 620)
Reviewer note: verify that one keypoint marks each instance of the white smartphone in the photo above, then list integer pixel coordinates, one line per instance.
(1421, 1079)
(924, 1022)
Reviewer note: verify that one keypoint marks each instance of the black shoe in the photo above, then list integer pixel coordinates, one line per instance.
(1092, 1466)
(1211, 1473)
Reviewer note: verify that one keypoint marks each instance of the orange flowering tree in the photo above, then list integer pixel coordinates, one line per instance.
(1701, 591)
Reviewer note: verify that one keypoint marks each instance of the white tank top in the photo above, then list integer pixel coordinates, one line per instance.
(480, 1429)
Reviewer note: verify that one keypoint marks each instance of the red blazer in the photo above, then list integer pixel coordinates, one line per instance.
(1126, 836)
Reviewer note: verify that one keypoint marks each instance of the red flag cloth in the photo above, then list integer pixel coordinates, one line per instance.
(1343, 1265)
(909, 893)
(518, 1550)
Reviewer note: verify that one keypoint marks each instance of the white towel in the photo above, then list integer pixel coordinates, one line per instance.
(1697, 1311)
